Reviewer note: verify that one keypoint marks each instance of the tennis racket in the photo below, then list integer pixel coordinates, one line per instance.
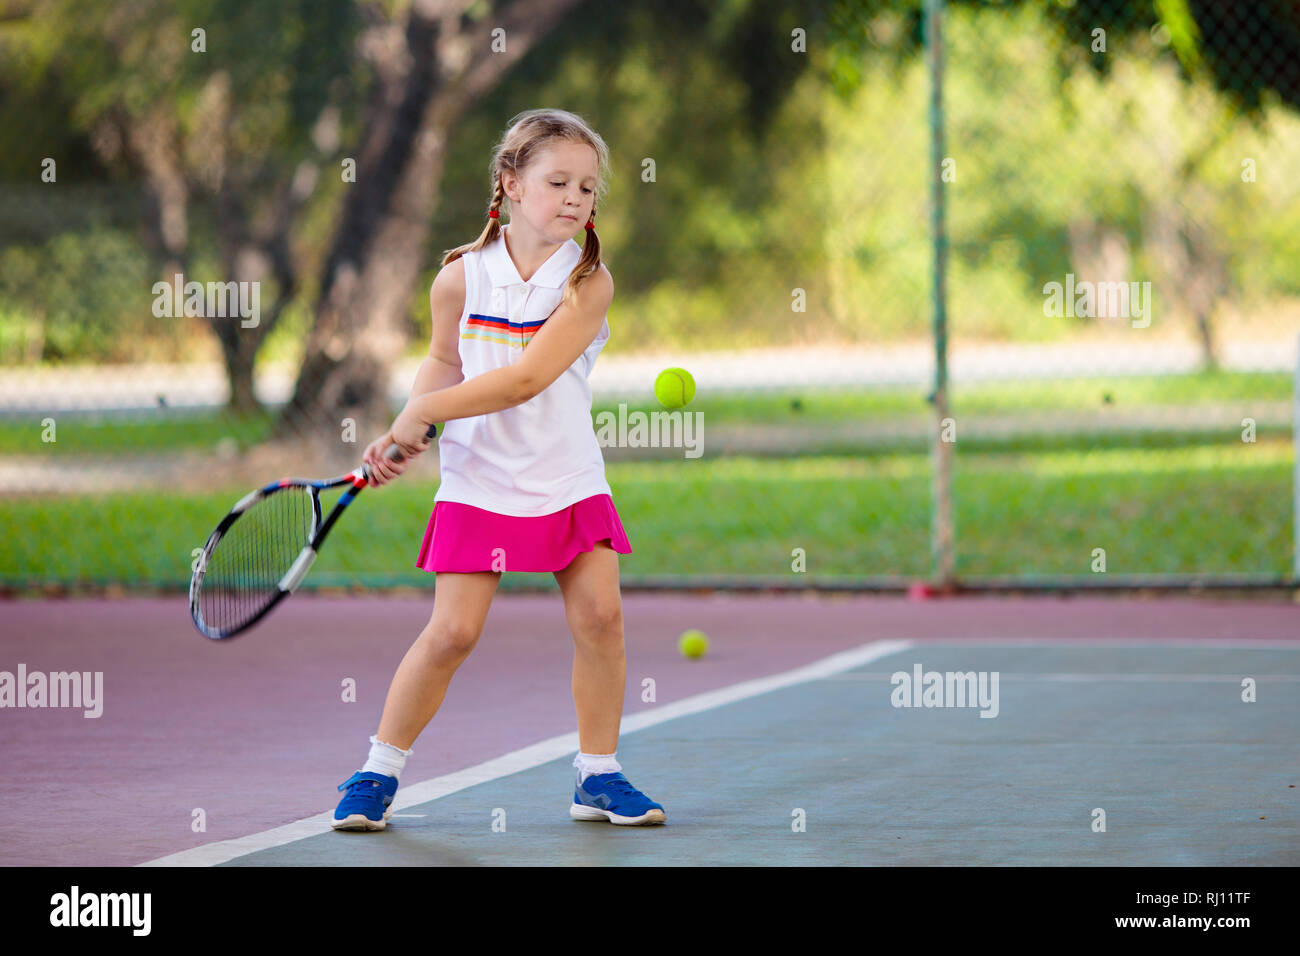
(261, 550)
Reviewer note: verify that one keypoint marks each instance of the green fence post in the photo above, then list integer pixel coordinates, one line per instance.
(941, 524)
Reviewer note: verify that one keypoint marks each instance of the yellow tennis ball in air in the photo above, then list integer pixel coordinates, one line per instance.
(674, 387)
(693, 643)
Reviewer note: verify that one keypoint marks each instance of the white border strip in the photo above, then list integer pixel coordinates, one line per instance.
(870, 677)
(539, 753)
(1224, 643)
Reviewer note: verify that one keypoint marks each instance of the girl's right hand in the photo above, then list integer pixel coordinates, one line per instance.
(382, 470)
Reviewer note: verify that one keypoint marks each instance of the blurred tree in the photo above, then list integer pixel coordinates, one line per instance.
(231, 140)
(433, 61)
(1250, 49)
(735, 206)
(1246, 51)
(376, 256)
(206, 103)
(233, 147)
(378, 250)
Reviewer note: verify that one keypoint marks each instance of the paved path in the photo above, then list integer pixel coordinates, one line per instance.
(138, 387)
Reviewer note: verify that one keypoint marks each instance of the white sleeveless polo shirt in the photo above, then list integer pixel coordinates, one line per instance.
(539, 457)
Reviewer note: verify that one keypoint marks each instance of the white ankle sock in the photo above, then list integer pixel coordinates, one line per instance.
(386, 759)
(588, 764)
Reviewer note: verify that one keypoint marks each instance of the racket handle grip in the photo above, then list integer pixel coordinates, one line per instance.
(393, 453)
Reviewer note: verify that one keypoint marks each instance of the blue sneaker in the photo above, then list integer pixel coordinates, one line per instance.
(609, 796)
(367, 803)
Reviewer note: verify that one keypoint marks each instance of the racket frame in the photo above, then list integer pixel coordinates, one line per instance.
(357, 479)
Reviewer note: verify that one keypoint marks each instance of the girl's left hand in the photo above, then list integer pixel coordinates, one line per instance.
(410, 433)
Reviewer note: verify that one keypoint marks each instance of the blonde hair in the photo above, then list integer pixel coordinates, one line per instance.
(529, 133)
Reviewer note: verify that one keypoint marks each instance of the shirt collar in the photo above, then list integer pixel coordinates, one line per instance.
(551, 274)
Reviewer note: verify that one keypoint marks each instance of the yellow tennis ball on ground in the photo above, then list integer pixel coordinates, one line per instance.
(693, 643)
(674, 387)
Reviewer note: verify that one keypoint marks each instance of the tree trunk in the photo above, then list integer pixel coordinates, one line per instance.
(1207, 284)
(239, 353)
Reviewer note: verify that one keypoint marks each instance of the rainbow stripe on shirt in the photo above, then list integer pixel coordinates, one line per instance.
(491, 328)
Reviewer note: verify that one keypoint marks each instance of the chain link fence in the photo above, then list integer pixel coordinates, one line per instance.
(1118, 213)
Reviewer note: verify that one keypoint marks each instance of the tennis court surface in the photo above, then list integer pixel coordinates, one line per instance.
(783, 746)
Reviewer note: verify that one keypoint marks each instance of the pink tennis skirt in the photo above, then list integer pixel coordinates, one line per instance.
(461, 538)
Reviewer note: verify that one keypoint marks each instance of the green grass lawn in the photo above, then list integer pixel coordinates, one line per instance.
(1223, 508)
(85, 435)
(835, 405)
(812, 407)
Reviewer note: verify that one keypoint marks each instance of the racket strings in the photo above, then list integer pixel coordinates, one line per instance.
(259, 547)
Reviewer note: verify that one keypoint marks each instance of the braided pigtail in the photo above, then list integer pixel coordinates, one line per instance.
(490, 231)
(587, 265)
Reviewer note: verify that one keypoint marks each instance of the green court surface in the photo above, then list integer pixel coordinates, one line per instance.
(1156, 736)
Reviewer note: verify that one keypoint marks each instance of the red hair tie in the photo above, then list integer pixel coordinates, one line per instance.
(591, 224)
(494, 214)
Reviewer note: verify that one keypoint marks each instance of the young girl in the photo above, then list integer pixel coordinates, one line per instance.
(518, 319)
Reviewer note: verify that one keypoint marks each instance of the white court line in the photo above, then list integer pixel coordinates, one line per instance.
(540, 753)
(1226, 643)
(1102, 678)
